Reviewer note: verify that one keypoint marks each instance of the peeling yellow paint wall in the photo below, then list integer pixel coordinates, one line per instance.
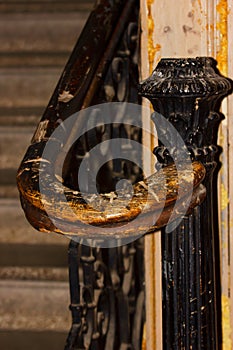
(152, 337)
(221, 33)
(193, 28)
(175, 27)
(152, 48)
(221, 26)
(224, 197)
(144, 338)
(230, 161)
(226, 318)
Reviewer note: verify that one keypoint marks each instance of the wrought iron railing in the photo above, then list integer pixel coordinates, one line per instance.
(107, 285)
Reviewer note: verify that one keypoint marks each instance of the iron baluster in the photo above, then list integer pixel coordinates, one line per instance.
(188, 93)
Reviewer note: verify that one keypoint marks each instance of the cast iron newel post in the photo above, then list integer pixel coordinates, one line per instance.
(188, 93)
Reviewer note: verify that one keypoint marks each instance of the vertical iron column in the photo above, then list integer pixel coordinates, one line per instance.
(188, 93)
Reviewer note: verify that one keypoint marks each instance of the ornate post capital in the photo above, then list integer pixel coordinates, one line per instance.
(186, 78)
(188, 92)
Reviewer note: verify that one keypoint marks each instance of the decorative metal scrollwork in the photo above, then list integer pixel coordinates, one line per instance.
(107, 297)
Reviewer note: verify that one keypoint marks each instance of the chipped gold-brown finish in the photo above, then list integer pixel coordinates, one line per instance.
(157, 193)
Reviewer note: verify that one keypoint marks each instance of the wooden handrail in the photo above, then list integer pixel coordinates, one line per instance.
(107, 209)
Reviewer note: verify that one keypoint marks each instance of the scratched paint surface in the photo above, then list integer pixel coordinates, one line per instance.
(152, 48)
(226, 319)
(189, 29)
(224, 197)
(222, 59)
(174, 30)
(148, 64)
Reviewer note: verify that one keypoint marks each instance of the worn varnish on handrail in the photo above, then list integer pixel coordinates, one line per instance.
(111, 210)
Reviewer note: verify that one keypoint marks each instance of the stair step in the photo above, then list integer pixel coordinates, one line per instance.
(39, 35)
(14, 142)
(8, 192)
(31, 305)
(33, 59)
(7, 176)
(8, 187)
(22, 246)
(15, 228)
(45, 6)
(34, 273)
(13, 254)
(21, 116)
(27, 87)
(35, 340)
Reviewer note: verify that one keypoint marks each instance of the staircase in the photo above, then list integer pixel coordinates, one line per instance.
(36, 38)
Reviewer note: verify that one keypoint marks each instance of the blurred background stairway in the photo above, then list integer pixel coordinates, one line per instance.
(36, 39)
